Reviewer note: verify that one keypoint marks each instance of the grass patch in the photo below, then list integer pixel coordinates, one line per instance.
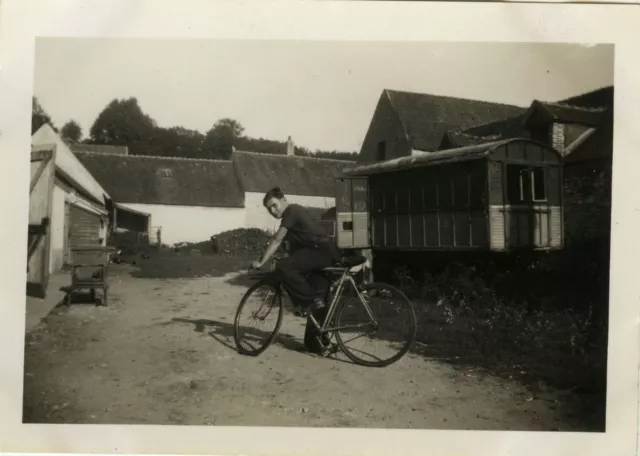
(464, 318)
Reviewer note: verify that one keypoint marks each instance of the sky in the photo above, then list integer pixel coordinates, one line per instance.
(322, 94)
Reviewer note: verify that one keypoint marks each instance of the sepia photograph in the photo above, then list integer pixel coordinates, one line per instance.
(350, 234)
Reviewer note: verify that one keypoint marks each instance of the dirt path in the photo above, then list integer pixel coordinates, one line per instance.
(162, 353)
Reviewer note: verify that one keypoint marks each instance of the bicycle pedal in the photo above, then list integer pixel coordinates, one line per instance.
(332, 350)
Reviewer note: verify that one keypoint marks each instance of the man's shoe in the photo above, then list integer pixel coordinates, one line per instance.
(300, 311)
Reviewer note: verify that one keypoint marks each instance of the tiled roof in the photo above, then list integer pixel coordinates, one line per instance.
(427, 118)
(308, 176)
(602, 97)
(598, 146)
(163, 180)
(592, 116)
(591, 109)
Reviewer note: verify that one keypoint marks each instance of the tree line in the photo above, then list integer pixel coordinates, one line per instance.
(123, 123)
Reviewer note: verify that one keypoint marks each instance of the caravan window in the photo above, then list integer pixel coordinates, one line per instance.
(518, 184)
(538, 185)
(525, 184)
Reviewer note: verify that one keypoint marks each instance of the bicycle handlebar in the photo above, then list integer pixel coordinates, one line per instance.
(274, 258)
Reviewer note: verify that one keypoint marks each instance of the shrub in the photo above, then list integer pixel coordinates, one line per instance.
(240, 241)
(502, 317)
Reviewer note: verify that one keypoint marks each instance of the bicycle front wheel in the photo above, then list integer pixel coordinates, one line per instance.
(377, 330)
(258, 318)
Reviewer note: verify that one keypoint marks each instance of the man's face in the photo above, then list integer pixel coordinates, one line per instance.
(276, 207)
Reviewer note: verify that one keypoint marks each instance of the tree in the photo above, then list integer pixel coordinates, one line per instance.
(39, 116)
(71, 131)
(122, 123)
(335, 155)
(174, 142)
(220, 139)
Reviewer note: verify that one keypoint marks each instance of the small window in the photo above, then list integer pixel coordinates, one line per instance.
(347, 226)
(538, 185)
(381, 153)
(517, 184)
(525, 184)
(166, 173)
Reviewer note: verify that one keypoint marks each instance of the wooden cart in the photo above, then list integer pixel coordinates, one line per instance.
(89, 270)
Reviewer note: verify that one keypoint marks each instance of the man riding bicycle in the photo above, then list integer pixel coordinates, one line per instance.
(310, 250)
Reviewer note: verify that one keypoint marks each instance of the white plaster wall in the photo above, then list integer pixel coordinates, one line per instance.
(258, 217)
(56, 253)
(190, 223)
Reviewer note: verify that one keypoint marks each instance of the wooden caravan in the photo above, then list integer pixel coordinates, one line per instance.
(499, 196)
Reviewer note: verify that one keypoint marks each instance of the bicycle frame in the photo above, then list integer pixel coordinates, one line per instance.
(345, 278)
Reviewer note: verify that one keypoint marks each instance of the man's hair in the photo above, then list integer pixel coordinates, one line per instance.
(275, 192)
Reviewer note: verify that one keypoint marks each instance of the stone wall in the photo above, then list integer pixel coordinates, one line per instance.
(587, 200)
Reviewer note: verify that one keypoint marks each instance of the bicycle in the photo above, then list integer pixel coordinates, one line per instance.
(270, 291)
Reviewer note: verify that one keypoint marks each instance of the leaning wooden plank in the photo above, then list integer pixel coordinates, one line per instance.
(40, 210)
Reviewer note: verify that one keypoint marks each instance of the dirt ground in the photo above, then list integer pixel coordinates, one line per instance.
(162, 352)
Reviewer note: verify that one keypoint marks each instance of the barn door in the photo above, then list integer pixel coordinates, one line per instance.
(352, 213)
(40, 202)
(84, 228)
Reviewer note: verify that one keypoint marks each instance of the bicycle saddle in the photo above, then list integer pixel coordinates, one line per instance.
(350, 261)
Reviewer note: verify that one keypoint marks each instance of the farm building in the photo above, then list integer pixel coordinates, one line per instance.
(581, 128)
(68, 196)
(189, 200)
(307, 181)
(404, 121)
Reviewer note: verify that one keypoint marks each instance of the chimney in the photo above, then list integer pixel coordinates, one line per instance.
(290, 147)
(557, 137)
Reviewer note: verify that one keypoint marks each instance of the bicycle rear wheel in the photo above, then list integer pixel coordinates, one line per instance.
(258, 318)
(379, 333)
